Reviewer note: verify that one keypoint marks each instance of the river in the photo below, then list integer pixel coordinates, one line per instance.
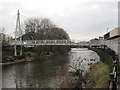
(45, 72)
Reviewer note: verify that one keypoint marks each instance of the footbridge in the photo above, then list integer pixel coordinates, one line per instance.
(32, 43)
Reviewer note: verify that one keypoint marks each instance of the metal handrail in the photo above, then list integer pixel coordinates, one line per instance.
(113, 78)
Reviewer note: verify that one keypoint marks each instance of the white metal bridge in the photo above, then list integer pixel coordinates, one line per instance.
(33, 40)
(32, 43)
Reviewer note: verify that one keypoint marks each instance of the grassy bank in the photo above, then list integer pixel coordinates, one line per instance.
(104, 57)
(98, 77)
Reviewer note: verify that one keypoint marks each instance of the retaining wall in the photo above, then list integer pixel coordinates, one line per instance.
(114, 44)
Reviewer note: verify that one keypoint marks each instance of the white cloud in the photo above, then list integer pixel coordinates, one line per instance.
(80, 18)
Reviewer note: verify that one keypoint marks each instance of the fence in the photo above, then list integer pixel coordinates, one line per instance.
(113, 78)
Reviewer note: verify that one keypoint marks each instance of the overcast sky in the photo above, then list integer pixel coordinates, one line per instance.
(82, 19)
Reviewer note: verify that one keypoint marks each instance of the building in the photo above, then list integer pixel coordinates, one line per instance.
(113, 34)
(101, 38)
(107, 36)
(5, 37)
(95, 41)
(112, 40)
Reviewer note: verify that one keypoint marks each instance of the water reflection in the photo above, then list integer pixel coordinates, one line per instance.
(38, 73)
(46, 72)
(82, 59)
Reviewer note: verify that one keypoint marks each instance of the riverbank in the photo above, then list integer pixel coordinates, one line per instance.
(70, 81)
(79, 66)
(98, 77)
(105, 57)
(44, 72)
(29, 56)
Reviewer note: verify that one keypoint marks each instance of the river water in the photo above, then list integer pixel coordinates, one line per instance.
(45, 72)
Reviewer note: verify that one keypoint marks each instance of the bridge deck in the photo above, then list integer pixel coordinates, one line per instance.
(52, 42)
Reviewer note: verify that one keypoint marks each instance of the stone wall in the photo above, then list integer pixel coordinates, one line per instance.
(114, 44)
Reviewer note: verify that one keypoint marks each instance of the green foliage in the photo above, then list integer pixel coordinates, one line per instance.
(44, 29)
(53, 34)
(55, 49)
(98, 77)
(7, 50)
(105, 57)
(47, 34)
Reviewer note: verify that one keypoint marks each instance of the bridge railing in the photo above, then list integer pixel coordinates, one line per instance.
(113, 78)
(53, 42)
(40, 41)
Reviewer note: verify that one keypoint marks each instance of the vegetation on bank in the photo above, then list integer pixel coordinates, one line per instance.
(45, 29)
(46, 50)
(115, 57)
(98, 77)
(9, 58)
(104, 57)
(37, 29)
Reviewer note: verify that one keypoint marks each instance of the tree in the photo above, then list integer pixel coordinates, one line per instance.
(43, 28)
(46, 23)
(31, 25)
(36, 24)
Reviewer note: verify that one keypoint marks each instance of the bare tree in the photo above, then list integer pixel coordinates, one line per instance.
(43, 28)
(31, 24)
(22, 29)
(36, 24)
(46, 23)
